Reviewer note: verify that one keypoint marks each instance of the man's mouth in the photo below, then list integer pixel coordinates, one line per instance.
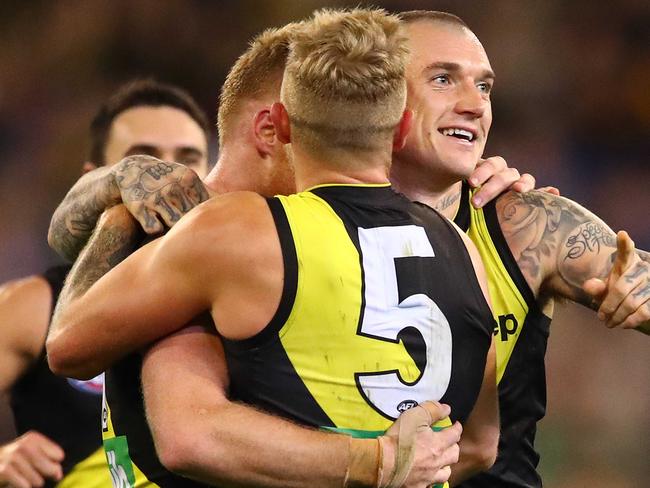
(458, 133)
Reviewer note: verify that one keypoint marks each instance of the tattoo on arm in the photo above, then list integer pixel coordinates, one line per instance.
(557, 243)
(75, 218)
(109, 245)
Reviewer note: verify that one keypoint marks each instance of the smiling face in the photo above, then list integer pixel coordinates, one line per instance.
(449, 80)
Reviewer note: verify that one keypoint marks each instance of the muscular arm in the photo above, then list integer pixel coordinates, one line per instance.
(480, 439)
(25, 307)
(558, 245)
(153, 191)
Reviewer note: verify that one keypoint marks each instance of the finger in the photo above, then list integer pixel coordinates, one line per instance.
(149, 222)
(50, 448)
(639, 319)
(550, 189)
(624, 255)
(27, 470)
(11, 477)
(632, 302)
(169, 212)
(525, 183)
(618, 295)
(449, 436)
(486, 169)
(595, 288)
(437, 411)
(496, 185)
(442, 475)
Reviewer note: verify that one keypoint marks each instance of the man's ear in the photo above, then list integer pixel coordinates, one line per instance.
(264, 130)
(280, 119)
(88, 167)
(402, 130)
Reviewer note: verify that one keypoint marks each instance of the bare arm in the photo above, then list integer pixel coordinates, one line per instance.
(24, 316)
(154, 191)
(225, 443)
(480, 439)
(559, 245)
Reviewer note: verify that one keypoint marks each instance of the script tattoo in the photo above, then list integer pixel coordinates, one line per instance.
(589, 238)
(556, 243)
(447, 201)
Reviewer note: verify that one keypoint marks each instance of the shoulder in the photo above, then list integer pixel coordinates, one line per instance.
(25, 308)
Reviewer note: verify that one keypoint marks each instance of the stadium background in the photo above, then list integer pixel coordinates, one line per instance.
(571, 106)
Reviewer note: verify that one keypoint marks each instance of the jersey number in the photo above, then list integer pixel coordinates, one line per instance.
(399, 308)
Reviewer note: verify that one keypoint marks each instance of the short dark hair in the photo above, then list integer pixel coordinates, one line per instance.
(144, 92)
(433, 15)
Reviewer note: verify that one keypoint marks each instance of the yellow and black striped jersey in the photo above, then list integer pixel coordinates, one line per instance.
(381, 310)
(521, 335)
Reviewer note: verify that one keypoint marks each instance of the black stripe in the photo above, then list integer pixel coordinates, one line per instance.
(462, 218)
(508, 260)
(270, 332)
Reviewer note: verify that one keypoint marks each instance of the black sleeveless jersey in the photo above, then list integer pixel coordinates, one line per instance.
(521, 336)
(381, 310)
(65, 410)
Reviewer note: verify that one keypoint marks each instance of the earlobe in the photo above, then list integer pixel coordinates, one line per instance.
(402, 130)
(280, 119)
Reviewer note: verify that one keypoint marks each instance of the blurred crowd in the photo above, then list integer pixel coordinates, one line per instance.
(571, 106)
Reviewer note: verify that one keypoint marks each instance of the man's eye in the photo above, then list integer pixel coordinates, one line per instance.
(485, 87)
(443, 79)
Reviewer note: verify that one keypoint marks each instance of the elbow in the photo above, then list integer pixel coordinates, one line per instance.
(485, 454)
(180, 450)
(63, 362)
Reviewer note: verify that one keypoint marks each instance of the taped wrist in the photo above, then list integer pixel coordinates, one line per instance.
(364, 463)
(405, 429)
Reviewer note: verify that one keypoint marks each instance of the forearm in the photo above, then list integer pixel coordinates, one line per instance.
(115, 237)
(224, 443)
(76, 216)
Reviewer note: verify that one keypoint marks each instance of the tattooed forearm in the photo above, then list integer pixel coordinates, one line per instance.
(75, 218)
(114, 239)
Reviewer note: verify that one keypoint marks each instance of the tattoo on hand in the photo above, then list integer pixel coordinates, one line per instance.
(643, 292)
(638, 270)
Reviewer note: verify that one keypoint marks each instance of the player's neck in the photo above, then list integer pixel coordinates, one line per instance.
(358, 169)
(419, 186)
(232, 172)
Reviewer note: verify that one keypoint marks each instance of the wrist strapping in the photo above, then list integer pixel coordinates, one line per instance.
(364, 464)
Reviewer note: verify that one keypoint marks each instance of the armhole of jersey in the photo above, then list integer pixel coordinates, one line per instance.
(462, 218)
(290, 259)
(472, 278)
(508, 260)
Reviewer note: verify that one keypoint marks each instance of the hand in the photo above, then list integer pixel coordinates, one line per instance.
(28, 460)
(494, 177)
(154, 190)
(423, 456)
(625, 296)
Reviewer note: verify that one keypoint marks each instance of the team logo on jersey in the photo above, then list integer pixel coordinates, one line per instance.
(406, 405)
(94, 385)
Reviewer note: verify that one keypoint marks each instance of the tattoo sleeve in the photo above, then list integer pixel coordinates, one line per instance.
(115, 237)
(557, 243)
(75, 218)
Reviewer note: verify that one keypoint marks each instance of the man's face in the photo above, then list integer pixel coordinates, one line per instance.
(449, 79)
(164, 132)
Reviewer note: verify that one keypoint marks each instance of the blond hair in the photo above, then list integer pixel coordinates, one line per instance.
(344, 85)
(253, 75)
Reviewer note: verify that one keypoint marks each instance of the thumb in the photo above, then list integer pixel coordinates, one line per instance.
(594, 287)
